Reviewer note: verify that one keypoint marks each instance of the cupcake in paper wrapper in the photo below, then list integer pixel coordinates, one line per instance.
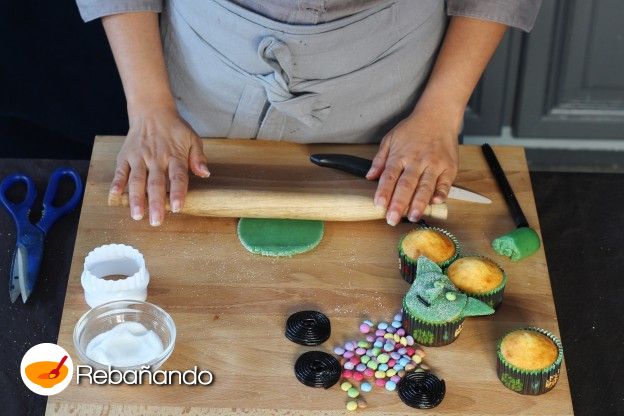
(434, 243)
(434, 309)
(529, 360)
(479, 277)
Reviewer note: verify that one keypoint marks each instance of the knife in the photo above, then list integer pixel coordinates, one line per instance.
(359, 166)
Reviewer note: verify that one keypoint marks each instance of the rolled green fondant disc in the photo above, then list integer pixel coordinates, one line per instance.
(278, 237)
(518, 244)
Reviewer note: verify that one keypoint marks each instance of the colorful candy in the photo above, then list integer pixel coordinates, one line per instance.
(390, 385)
(381, 357)
(366, 387)
(353, 392)
(352, 405)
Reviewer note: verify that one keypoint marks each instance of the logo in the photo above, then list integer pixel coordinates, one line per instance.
(46, 369)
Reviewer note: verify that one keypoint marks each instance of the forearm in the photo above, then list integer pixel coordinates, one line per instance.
(135, 41)
(467, 48)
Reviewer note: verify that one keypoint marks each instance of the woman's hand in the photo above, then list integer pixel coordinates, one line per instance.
(416, 164)
(158, 151)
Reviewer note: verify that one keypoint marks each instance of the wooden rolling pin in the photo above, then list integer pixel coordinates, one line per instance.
(281, 204)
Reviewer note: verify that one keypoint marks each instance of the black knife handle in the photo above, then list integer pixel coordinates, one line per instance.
(503, 184)
(354, 165)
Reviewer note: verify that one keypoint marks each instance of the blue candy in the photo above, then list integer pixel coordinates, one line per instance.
(366, 386)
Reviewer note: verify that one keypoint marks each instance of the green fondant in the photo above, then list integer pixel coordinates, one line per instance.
(475, 307)
(512, 383)
(278, 237)
(432, 286)
(518, 244)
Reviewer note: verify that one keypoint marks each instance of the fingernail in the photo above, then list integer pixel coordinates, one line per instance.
(204, 170)
(414, 216)
(380, 202)
(154, 220)
(136, 214)
(437, 199)
(393, 218)
(370, 172)
(113, 190)
(175, 206)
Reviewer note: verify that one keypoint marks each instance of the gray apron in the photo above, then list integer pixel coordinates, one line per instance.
(237, 74)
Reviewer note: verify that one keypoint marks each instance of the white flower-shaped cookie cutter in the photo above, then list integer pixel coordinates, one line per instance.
(118, 260)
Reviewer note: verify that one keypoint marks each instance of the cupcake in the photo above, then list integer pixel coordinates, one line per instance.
(437, 244)
(529, 360)
(434, 309)
(478, 277)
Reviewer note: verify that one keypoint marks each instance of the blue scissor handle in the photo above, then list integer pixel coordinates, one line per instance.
(19, 211)
(50, 212)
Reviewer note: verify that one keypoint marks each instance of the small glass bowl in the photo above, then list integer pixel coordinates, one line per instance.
(106, 316)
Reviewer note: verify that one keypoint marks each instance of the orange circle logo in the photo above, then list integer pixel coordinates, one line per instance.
(46, 369)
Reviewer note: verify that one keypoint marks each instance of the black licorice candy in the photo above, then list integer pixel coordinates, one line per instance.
(421, 389)
(317, 369)
(308, 328)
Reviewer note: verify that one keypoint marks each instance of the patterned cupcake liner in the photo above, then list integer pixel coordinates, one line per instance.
(407, 265)
(430, 334)
(529, 382)
(492, 298)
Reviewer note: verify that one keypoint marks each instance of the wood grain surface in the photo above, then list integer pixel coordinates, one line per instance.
(230, 306)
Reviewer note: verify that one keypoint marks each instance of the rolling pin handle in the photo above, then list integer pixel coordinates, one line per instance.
(438, 211)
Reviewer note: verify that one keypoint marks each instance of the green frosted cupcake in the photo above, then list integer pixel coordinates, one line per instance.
(480, 278)
(434, 310)
(436, 244)
(529, 360)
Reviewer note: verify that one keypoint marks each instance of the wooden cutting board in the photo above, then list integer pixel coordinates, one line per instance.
(230, 306)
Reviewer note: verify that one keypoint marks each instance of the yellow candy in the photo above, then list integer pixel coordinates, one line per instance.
(403, 341)
(417, 358)
(345, 386)
(380, 374)
(388, 336)
(396, 338)
(352, 405)
(391, 372)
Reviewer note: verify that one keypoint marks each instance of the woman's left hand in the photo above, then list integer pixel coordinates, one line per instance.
(416, 164)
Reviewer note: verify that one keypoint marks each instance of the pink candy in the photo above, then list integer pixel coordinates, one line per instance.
(369, 372)
(380, 382)
(358, 376)
(364, 328)
(347, 374)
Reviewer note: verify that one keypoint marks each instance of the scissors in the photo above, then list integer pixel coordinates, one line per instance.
(30, 237)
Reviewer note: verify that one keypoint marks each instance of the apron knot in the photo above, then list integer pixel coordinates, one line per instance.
(303, 106)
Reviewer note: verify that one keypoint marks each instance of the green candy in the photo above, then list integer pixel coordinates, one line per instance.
(353, 392)
(518, 244)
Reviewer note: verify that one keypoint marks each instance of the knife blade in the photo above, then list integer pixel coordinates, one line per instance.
(359, 166)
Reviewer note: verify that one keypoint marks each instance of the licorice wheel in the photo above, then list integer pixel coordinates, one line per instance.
(421, 389)
(308, 328)
(317, 369)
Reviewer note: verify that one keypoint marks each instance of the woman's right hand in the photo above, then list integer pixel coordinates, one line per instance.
(158, 151)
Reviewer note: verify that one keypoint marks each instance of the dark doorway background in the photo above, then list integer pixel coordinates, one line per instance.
(58, 82)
